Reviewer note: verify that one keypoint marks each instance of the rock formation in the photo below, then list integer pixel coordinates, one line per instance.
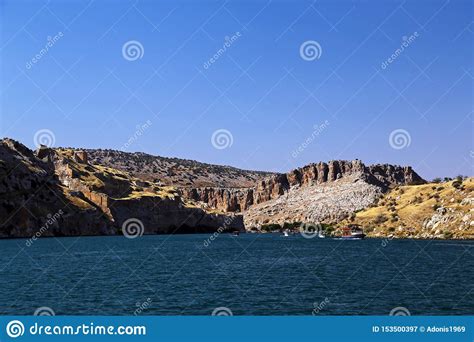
(87, 199)
(274, 186)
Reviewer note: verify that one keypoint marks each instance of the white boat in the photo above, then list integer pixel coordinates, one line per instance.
(285, 233)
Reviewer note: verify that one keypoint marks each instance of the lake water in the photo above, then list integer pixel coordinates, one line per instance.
(250, 274)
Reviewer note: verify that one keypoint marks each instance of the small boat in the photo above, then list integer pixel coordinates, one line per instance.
(285, 233)
(235, 233)
(352, 232)
(321, 235)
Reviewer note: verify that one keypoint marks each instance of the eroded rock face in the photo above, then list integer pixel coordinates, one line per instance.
(60, 196)
(241, 199)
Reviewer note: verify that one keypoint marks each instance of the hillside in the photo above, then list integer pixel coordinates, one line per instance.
(439, 210)
(174, 171)
(96, 191)
(59, 193)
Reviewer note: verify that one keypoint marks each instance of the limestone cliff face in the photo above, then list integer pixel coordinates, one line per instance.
(241, 199)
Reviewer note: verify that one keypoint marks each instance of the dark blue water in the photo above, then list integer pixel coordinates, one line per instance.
(249, 274)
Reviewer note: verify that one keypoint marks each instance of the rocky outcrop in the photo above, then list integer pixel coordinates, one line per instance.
(383, 176)
(57, 193)
(32, 201)
(325, 202)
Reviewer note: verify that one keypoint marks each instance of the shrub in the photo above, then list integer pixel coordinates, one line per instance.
(380, 218)
(437, 180)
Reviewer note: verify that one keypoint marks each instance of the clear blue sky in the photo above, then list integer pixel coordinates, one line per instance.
(260, 89)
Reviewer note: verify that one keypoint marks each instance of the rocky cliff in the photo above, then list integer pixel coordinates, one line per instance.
(381, 176)
(59, 193)
(66, 191)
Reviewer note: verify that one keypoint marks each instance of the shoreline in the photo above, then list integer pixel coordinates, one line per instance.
(230, 234)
